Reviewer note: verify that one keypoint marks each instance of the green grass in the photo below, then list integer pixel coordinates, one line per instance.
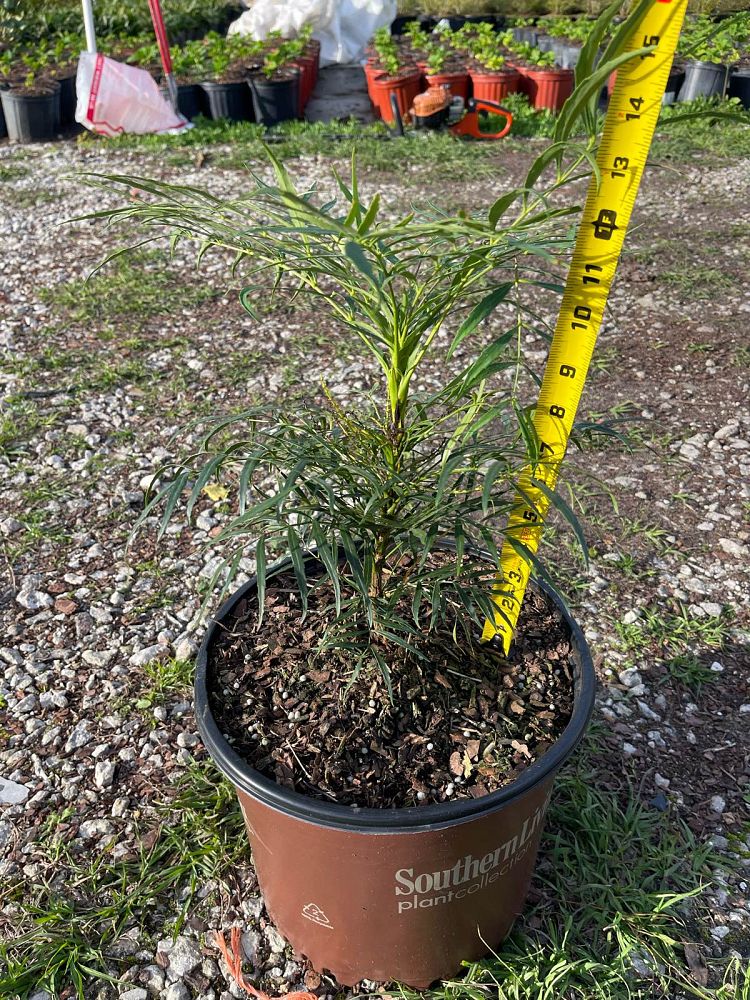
(689, 670)
(138, 286)
(673, 633)
(238, 144)
(67, 927)
(698, 283)
(227, 144)
(167, 677)
(13, 172)
(702, 138)
(614, 878)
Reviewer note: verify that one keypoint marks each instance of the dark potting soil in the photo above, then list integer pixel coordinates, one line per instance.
(462, 724)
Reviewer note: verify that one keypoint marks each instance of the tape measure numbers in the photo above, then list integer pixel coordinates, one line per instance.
(628, 131)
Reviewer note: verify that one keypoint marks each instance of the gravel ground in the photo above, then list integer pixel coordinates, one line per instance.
(96, 711)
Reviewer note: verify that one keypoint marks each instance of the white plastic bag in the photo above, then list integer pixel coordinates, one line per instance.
(343, 27)
(114, 98)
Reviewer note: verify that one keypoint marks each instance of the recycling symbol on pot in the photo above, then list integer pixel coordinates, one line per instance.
(313, 912)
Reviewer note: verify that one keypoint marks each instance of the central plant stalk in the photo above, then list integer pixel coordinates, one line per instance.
(398, 395)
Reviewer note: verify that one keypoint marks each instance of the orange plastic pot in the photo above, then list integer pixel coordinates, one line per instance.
(405, 87)
(457, 83)
(549, 88)
(494, 86)
(523, 80)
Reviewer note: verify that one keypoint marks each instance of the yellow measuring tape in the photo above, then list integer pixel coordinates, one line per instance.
(628, 130)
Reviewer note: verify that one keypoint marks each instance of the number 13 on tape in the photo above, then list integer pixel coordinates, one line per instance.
(628, 130)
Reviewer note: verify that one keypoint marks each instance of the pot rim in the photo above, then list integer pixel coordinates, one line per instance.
(405, 818)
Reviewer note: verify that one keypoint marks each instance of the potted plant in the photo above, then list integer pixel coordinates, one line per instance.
(61, 59)
(710, 50)
(305, 56)
(492, 79)
(739, 80)
(546, 84)
(393, 769)
(276, 86)
(226, 63)
(31, 104)
(442, 69)
(388, 76)
(566, 35)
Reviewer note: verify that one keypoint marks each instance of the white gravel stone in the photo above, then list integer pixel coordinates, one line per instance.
(34, 600)
(733, 548)
(138, 993)
(630, 678)
(120, 806)
(91, 828)
(10, 526)
(718, 804)
(98, 657)
(185, 648)
(104, 773)
(250, 945)
(630, 617)
(720, 932)
(27, 704)
(11, 793)
(78, 737)
(184, 956)
(53, 699)
(717, 668)
(628, 749)
(276, 942)
(177, 991)
(148, 655)
(745, 709)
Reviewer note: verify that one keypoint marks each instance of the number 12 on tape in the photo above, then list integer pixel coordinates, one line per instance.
(628, 131)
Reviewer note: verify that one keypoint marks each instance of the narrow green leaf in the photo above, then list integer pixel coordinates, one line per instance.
(480, 312)
(298, 565)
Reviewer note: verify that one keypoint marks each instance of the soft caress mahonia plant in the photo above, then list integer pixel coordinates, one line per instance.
(376, 489)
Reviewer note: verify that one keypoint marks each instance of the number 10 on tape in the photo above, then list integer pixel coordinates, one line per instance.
(628, 130)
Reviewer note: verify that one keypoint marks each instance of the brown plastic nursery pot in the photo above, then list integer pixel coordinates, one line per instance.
(549, 88)
(405, 86)
(393, 894)
(457, 83)
(494, 86)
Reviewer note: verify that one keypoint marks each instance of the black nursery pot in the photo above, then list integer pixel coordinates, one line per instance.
(674, 85)
(229, 100)
(31, 117)
(191, 99)
(739, 87)
(67, 99)
(275, 100)
(703, 79)
(3, 126)
(392, 894)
